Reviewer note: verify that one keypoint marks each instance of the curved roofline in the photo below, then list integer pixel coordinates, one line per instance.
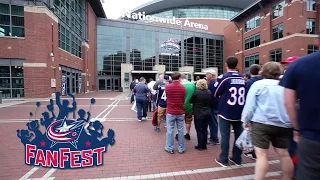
(156, 6)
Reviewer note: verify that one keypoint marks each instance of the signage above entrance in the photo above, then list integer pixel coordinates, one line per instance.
(171, 45)
(173, 20)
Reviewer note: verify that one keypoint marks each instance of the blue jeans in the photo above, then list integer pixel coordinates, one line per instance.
(153, 102)
(225, 140)
(142, 107)
(213, 126)
(171, 120)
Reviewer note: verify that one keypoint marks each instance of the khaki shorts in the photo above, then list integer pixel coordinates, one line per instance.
(263, 134)
(188, 118)
(161, 114)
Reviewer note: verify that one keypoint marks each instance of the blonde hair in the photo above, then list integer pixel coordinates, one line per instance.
(271, 70)
(202, 84)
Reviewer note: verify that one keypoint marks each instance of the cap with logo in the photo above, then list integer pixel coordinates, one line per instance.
(289, 59)
(166, 77)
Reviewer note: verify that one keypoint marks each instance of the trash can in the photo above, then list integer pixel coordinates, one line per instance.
(121, 89)
(0, 97)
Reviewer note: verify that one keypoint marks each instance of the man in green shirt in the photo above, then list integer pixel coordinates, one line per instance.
(190, 88)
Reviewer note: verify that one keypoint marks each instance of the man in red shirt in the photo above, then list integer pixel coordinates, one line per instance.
(175, 93)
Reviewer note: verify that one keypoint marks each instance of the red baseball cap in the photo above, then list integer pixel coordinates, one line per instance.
(289, 59)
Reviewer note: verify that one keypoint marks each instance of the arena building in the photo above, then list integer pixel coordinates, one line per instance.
(163, 36)
(272, 30)
(71, 46)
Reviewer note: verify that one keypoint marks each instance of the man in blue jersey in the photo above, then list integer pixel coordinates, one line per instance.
(213, 124)
(230, 87)
(162, 101)
(254, 76)
(301, 81)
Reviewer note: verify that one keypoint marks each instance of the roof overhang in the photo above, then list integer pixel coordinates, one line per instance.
(97, 8)
(161, 5)
(251, 9)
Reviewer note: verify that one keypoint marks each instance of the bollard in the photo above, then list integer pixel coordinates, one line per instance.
(0, 97)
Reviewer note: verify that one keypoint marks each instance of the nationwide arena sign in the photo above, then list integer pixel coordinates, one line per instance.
(173, 20)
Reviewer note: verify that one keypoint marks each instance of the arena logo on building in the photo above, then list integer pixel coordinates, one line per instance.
(65, 143)
(171, 45)
(173, 20)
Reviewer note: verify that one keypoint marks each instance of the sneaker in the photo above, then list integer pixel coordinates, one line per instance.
(187, 137)
(200, 149)
(233, 162)
(139, 120)
(250, 155)
(181, 152)
(212, 142)
(144, 118)
(168, 150)
(157, 129)
(221, 163)
(154, 127)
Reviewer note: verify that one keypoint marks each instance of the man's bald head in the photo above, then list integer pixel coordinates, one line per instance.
(161, 77)
(183, 76)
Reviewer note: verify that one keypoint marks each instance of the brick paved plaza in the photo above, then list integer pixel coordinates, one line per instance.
(138, 152)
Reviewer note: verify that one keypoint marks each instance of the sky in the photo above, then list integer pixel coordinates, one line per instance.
(114, 8)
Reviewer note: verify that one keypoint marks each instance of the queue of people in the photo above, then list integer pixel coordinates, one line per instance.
(276, 102)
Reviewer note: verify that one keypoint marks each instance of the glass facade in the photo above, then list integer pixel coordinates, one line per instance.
(199, 12)
(73, 25)
(11, 20)
(11, 81)
(145, 46)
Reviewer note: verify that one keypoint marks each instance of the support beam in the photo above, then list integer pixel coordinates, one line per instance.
(261, 7)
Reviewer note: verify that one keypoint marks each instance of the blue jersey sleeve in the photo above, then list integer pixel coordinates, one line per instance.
(219, 86)
(289, 78)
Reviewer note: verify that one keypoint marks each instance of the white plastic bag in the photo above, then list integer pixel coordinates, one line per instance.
(244, 141)
(134, 107)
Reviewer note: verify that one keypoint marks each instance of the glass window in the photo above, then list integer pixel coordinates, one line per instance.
(311, 5)
(252, 41)
(277, 31)
(11, 24)
(250, 60)
(17, 93)
(276, 55)
(199, 12)
(311, 26)
(5, 83)
(11, 77)
(73, 22)
(16, 71)
(252, 23)
(277, 10)
(312, 48)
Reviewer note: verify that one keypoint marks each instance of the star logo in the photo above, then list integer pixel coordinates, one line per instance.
(43, 143)
(88, 143)
(64, 127)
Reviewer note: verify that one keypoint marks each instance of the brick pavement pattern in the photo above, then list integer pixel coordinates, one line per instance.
(138, 152)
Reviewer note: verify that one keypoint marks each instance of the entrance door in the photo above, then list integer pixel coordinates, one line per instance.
(109, 84)
(116, 84)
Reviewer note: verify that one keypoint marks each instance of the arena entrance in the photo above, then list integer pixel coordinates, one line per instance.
(146, 74)
(199, 74)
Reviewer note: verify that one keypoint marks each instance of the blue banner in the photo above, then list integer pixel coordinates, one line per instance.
(63, 84)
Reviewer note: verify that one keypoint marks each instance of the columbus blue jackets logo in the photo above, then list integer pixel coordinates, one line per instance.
(170, 45)
(63, 142)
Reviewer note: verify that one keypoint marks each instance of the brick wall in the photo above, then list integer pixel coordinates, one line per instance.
(40, 25)
(294, 42)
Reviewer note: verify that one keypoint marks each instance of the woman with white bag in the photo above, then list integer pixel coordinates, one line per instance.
(264, 113)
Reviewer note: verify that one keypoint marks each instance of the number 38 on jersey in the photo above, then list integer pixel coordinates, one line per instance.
(237, 96)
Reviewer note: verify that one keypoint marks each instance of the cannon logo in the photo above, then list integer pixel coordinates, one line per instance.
(66, 142)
